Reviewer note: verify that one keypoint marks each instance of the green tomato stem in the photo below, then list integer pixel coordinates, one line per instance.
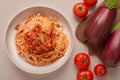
(85, 77)
(84, 61)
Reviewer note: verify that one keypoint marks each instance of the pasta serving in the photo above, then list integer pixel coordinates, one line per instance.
(40, 40)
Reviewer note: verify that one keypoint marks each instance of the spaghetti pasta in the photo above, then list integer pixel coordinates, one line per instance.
(40, 40)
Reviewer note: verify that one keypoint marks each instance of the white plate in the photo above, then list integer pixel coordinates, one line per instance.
(19, 61)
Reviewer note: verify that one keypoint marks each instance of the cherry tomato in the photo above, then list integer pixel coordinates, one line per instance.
(80, 10)
(90, 2)
(100, 70)
(85, 75)
(82, 60)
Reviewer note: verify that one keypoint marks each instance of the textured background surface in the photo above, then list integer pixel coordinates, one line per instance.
(8, 71)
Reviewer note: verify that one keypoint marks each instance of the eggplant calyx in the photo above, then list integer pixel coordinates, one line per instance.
(115, 27)
(111, 4)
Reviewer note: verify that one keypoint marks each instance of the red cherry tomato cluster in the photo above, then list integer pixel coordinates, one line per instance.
(82, 61)
(100, 70)
(90, 2)
(81, 9)
(85, 75)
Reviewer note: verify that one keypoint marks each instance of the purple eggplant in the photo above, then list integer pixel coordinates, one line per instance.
(111, 52)
(99, 25)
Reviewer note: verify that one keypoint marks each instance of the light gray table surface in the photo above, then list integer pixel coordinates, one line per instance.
(8, 71)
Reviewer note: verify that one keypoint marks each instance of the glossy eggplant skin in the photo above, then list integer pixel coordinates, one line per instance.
(111, 52)
(99, 25)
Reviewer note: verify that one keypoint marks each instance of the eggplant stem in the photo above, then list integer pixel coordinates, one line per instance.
(115, 27)
(111, 4)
